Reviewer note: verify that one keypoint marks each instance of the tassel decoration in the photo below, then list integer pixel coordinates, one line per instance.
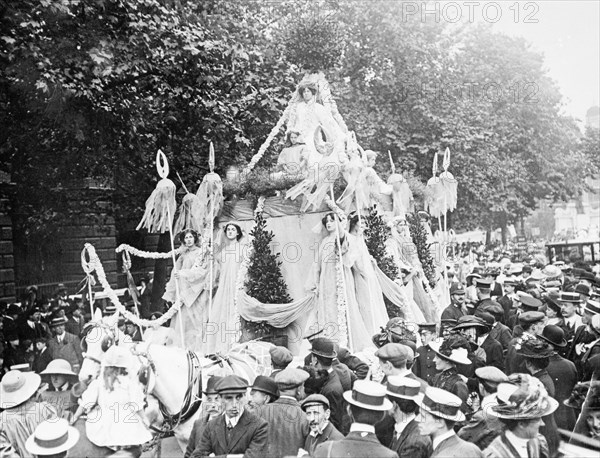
(161, 205)
(210, 192)
(402, 196)
(190, 214)
(434, 192)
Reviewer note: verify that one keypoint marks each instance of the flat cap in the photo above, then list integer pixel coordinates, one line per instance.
(280, 356)
(531, 303)
(315, 399)
(491, 374)
(290, 378)
(493, 308)
(395, 352)
(266, 385)
(530, 317)
(231, 384)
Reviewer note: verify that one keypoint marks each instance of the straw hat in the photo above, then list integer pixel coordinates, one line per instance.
(443, 404)
(454, 355)
(404, 388)
(522, 399)
(368, 395)
(17, 387)
(51, 438)
(59, 367)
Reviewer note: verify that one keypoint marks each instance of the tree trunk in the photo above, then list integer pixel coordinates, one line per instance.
(504, 228)
(160, 274)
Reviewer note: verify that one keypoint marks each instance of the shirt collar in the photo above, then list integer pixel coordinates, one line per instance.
(438, 440)
(233, 421)
(401, 426)
(518, 443)
(319, 430)
(362, 428)
(285, 396)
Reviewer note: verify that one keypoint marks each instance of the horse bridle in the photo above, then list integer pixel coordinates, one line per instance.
(113, 337)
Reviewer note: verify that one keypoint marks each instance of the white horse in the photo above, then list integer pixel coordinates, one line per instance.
(174, 376)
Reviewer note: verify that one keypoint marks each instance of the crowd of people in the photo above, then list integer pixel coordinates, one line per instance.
(510, 370)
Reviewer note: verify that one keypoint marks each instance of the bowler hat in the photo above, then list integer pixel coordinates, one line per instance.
(231, 384)
(211, 384)
(368, 395)
(323, 347)
(470, 321)
(266, 385)
(554, 335)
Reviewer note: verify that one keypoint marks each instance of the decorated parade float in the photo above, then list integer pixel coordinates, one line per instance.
(268, 266)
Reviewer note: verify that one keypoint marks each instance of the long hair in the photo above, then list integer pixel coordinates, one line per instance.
(110, 375)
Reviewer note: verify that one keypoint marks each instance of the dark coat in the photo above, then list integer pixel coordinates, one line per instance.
(449, 380)
(354, 445)
(411, 443)
(70, 349)
(582, 336)
(452, 312)
(356, 365)
(249, 437)
(347, 377)
(588, 369)
(549, 430)
(481, 429)
(423, 366)
(328, 434)
(493, 353)
(454, 446)
(41, 360)
(288, 427)
(507, 306)
(334, 392)
(74, 326)
(564, 376)
(502, 448)
(196, 435)
(502, 334)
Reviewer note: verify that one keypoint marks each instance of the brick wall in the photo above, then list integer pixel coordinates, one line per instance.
(7, 261)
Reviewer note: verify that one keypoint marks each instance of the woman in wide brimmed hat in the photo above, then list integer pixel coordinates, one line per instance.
(449, 353)
(60, 379)
(21, 413)
(521, 405)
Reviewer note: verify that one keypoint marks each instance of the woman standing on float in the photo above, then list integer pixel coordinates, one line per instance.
(223, 328)
(324, 281)
(191, 271)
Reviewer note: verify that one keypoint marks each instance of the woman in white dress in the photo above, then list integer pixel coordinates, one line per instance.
(224, 328)
(323, 281)
(191, 273)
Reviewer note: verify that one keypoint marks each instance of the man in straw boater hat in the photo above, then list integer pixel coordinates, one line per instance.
(211, 408)
(20, 412)
(316, 408)
(583, 335)
(405, 396)
(52, 439)
(521, 405)
(569, 303)
(367, 404)
(287, 423)
(440, 411)
(237, 430)
(446, 359)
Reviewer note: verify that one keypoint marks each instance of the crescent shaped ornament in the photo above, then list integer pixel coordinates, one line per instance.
(162, 165)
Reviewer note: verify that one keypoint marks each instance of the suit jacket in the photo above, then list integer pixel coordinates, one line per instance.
(549, 430)
(288, 426)
(502, 334)
(333, 391)
(196, 435)
(507, 305)
(41, 360)
(356, 365)
(493, 353)
(423, 366)
(454, 446)
(354, 445)
(74, 327)
(582, 336)
(328, 434)
(564, 375)
(249, 437)
(411, 444)
(347, 377)
(69, 349)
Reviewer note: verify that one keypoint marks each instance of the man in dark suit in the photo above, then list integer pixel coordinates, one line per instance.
(506, 301)
(322, 355)
(42, 355)
(316, 408)
(145, 296)
(367, 402)
(564, 375)
(583, 336)
(210, 409)
(499, 331)
(75, 321)
(237, 430)
(440, 411)
(406, 440)
(456, 309)
(64, 345)
(288, 426)
(494, 356)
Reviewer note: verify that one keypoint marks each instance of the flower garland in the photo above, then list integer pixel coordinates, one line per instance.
(342, 305)
(274, 131)
(95, 265)
(147, 254)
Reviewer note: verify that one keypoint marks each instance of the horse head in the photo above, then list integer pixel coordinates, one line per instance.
(98, 336)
